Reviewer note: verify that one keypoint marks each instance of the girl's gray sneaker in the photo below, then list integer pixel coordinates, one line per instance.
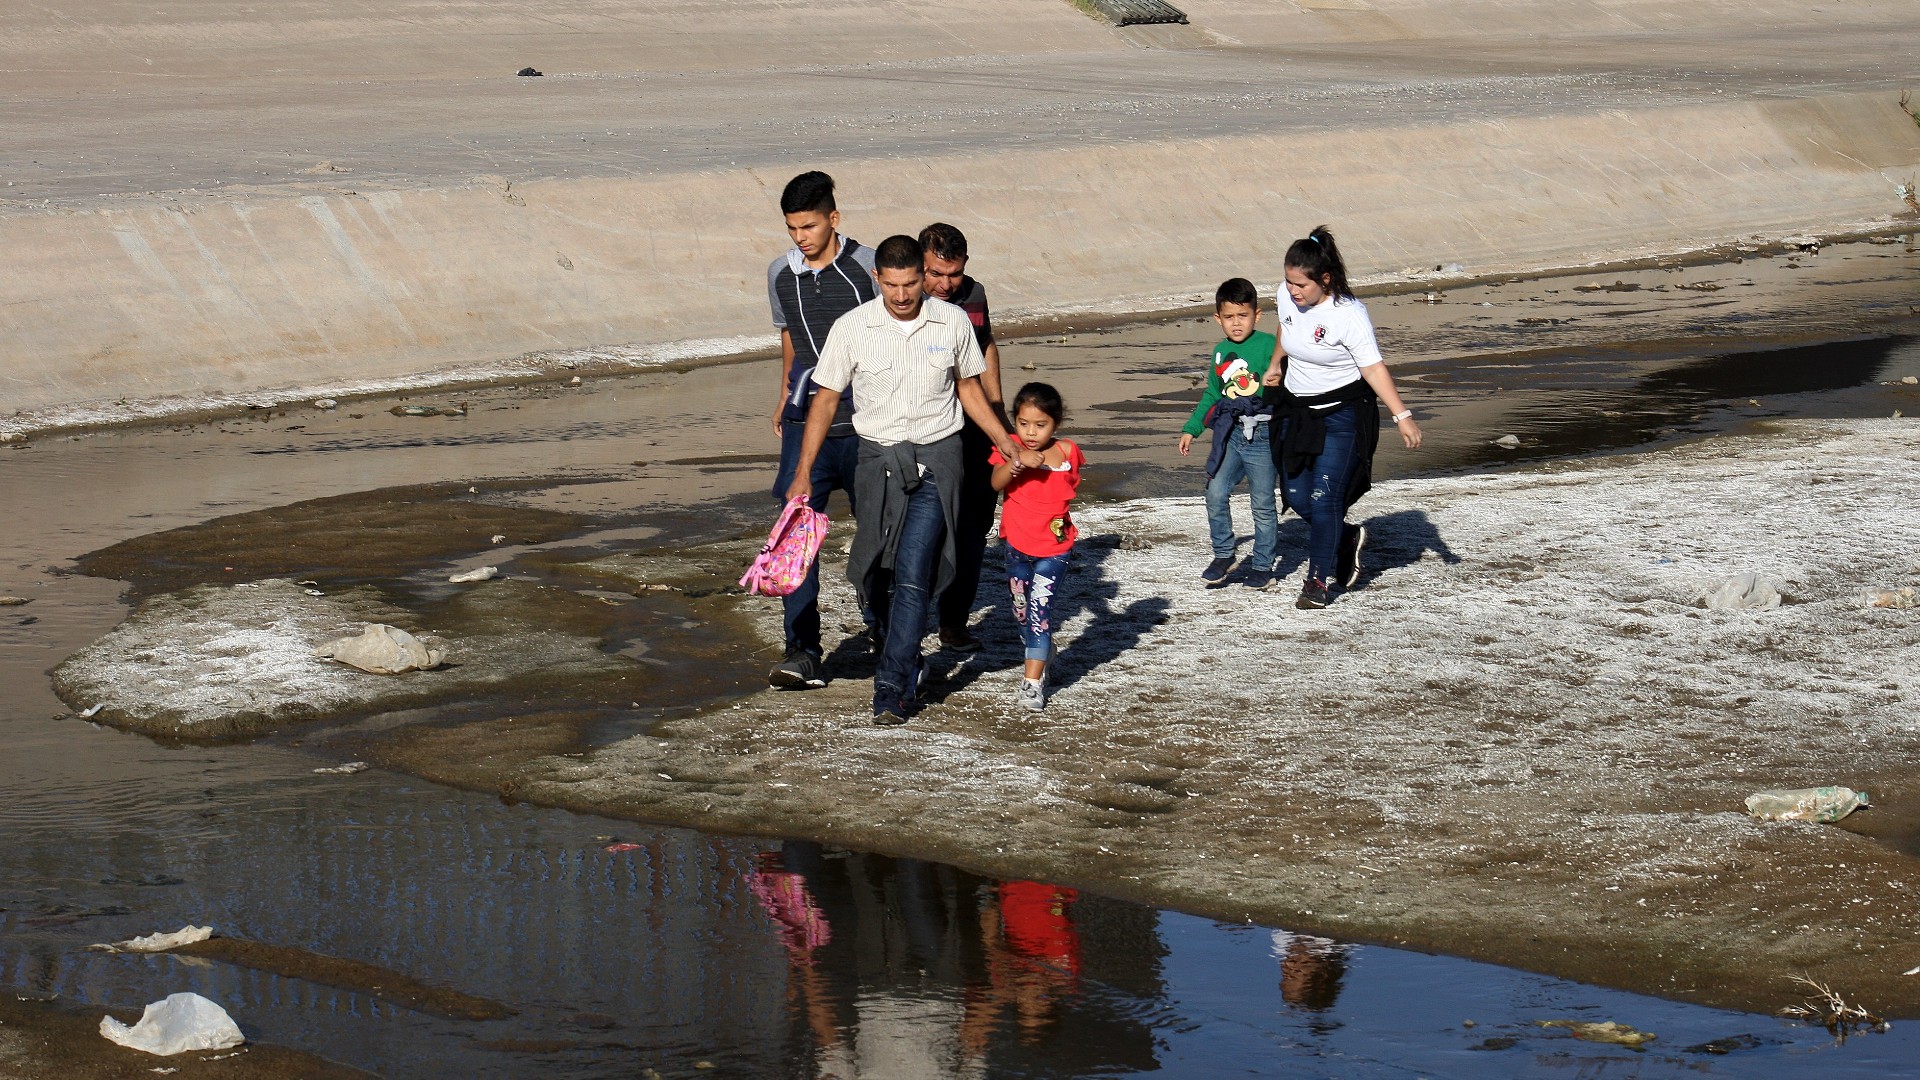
(1032, 693)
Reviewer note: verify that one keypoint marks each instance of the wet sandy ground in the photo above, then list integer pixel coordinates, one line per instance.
(1642, 366)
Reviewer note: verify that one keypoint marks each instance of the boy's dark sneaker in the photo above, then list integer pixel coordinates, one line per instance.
(1217, 569)
(1312, 595)
(889, 712)
(958, 639)
(1347, 567)
(1257, 579)
(800, 670)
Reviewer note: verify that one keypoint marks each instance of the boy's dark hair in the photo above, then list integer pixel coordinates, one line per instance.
(1236, 290)
(808, 191)
(943, 241)
(1316, 257)
(1041, 396)
(900, 252)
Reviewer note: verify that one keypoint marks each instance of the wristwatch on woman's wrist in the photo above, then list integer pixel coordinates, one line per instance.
(1401, 415)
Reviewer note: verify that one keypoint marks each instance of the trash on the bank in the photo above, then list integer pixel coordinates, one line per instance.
(1911, 971)
(529, 73)
(383, 650)
(1892, 598)
(483, 573)
(1909, 380)
(157, 942)
(347, 769)
(498, 538)
(1827, 1008)
(1508, 441)
(623, 845)
(575, 381)
(180, 1023)
(1748, 590)
(1606, 1031)
(1432, 298)
(414, 410)
(326, 403)
(313, 592)
(15, 601)
(1822, 804)
(12, 437)
(92, 711)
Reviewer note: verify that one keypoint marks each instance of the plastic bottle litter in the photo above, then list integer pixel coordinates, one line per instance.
(1748, 590)
(1823, 804)
(484, 573)
(180, 1023)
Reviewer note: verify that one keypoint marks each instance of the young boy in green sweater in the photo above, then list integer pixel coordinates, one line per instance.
(1242, 444)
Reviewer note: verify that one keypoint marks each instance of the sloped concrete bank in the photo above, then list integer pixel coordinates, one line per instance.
(191, 300)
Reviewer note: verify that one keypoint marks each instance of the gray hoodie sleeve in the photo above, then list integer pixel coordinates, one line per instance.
(774, 270)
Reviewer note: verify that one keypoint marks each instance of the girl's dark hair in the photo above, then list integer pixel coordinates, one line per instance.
(1316, 256)
(1041, 396)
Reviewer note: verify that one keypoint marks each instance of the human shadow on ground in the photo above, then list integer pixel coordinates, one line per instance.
(1394, 541)
(1086, 587)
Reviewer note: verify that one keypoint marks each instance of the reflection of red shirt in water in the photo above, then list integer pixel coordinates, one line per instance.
(1038, 925)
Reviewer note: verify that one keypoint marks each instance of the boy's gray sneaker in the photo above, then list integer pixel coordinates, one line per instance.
(799, 670)
(1217, 569)
(1257, 579)
(1032, 694)
(1346, 568)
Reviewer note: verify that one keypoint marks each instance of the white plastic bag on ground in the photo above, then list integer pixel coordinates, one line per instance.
(1747, 590)
(158, 942)
(384, 650)
(182, 1022)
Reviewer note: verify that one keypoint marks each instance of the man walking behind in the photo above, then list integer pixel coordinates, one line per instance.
(822, 277)
(913, 366)
(946, 265)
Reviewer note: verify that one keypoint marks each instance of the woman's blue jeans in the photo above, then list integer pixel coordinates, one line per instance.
(1251, 457)
(1319, 492)
(1033, 581)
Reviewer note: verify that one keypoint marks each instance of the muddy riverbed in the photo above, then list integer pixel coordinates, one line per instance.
(1536, 759)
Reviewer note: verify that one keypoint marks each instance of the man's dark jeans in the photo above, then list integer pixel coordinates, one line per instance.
(902, 597)
(833, 468)
(977, 500)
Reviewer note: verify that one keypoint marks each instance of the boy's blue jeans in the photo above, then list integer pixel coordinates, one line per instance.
(1319, 492)
(1033, 581)
(1251, 457)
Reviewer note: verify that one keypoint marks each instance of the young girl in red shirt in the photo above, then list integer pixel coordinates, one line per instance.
(1037, 527)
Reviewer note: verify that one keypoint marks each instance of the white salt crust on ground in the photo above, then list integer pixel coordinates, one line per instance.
(218, 661)
(1522, 739)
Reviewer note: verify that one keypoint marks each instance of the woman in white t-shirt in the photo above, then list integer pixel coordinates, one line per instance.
(1328, 407)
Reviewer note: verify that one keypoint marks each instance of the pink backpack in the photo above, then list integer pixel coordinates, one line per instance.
(792, 546)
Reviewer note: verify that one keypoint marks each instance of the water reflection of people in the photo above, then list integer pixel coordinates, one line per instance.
(1310, 972)
(1031, 954)
(899, 968)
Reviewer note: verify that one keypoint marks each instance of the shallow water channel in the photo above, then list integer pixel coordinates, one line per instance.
(601, 947)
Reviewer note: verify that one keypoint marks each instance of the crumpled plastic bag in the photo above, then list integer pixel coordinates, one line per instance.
(384, 650)
(1748, 590)
(158, 942)
(180, 1023)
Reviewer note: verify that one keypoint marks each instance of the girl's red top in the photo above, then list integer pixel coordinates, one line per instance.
(1035, 519)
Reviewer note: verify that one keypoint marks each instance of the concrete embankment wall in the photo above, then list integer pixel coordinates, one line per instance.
(186, 296)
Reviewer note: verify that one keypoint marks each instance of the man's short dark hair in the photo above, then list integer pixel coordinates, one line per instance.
(1236, 290)
(943, 241)
(810, 191)
(901, 252)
